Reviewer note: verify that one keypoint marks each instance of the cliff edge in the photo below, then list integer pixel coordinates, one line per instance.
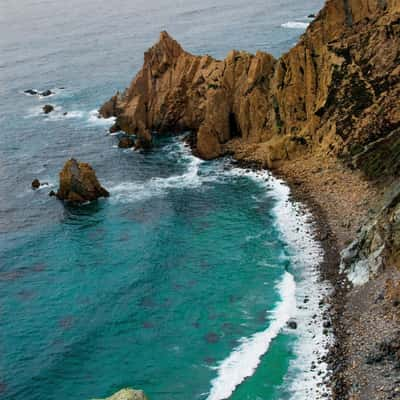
(336, 92)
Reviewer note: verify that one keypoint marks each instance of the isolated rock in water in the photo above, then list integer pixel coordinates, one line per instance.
(31, 92)
(46, 93)
(78, 183)
(126, 142)
(127, 394)
(311, 16)
(48, 108)
(35, 184)
(292, 324)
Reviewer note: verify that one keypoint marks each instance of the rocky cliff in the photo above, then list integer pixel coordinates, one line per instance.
(335, 92)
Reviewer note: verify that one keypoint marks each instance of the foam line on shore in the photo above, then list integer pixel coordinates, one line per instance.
(295, 25)
(305, 377)
(244, 360)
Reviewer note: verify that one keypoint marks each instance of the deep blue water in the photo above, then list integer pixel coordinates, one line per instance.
(154, 287)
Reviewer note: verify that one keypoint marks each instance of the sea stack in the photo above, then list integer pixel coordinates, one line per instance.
(79, 184)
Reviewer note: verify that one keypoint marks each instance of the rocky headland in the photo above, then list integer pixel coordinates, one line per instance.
(326, 117)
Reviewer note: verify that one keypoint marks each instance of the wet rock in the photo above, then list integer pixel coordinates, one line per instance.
(48, 108)
(52, 193)
(311, 16)
(31, 92)
(292, 324)
(327, 324)
(127, 394)
(126, 142)
(79, 184)
(35, 184)
(65, 113)
(144, 141)
(46, 93)
(115, 128)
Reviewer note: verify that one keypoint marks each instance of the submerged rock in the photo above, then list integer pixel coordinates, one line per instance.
(48, 108)
(35, 184)
(79, 184)
(292, 324)
(127, 394)
(126, 142)
(144, 140)
(31, 92)
(46, 93)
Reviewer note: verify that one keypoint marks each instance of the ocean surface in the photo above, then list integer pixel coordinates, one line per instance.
(183, 281)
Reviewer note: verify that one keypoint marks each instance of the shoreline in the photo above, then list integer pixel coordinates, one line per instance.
(328, 270)
(332, 243)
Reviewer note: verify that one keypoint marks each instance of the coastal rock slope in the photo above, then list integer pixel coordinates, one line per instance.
(335, 92)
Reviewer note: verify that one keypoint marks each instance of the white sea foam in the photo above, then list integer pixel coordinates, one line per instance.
(244, 359)
(95, 118)
(126, 192)
(305, 255)
(294, 222)
(295, 25)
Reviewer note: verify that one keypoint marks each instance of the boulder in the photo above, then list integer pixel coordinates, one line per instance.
(35, 184)
(46, 93)
(144, 140)
(292, 324)
(79, 184)
(127, 394)
(126, 142)
(48, 108)
(31, 92)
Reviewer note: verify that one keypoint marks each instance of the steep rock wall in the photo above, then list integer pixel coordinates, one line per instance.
(336, 91)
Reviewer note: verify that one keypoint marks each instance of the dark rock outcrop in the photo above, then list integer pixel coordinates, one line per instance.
(126, 142)
(46, 93)
(378, 244)
(48, 108)
(79, 184)
(35, 184)
(31, 92)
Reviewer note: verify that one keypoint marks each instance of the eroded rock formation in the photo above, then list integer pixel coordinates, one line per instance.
(79, 184)
(336, 92)
(127, 394)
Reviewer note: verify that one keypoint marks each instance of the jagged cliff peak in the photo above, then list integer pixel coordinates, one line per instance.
(336, 93)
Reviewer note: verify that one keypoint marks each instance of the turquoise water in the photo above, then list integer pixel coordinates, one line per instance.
(159, 284)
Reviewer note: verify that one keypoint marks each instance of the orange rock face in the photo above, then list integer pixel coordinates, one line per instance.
(78, 183)
(336, 92)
